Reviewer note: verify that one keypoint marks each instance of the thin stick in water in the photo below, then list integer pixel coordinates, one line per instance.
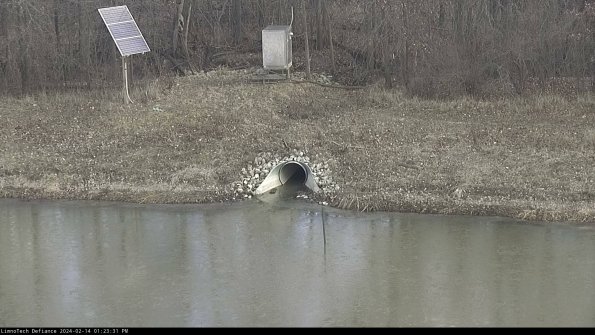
(323, 231)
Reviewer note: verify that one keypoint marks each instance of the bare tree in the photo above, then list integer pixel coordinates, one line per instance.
(307, 43)
(319, 24)
(186, 32)
(84, 42)
(236, 21)
(178, 26)
(431, 47)
(330, 39)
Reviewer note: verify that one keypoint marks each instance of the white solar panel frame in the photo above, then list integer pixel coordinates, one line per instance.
(124, 17)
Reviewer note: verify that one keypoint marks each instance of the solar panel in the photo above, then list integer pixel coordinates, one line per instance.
(124, 30)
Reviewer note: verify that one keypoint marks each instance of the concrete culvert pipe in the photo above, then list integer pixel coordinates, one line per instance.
(291, 174)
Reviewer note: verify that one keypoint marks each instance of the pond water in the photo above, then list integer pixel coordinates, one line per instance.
(256, 264)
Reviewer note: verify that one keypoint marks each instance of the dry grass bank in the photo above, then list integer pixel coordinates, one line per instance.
(187, 139)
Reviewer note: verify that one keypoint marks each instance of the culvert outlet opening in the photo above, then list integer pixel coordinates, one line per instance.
(293, 174)
(289, 176)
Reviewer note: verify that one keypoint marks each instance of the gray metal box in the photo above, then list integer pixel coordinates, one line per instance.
(276, 47)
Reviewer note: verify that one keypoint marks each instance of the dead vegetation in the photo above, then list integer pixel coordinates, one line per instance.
(433, 49)
(187, 139)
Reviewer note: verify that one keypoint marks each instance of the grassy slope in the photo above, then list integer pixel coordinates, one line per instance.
(532, 158)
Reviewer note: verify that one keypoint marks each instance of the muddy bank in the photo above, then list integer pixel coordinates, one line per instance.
(187, 140)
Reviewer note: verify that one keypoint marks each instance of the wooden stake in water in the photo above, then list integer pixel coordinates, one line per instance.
(323, 232)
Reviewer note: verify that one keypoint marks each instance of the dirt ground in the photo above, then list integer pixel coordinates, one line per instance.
(186, 140)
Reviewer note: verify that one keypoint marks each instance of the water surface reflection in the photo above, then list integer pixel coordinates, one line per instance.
(251, 264)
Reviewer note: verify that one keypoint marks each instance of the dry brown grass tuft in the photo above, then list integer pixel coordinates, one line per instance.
(589, 139)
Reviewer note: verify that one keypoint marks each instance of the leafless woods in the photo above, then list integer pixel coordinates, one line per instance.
(432, 48)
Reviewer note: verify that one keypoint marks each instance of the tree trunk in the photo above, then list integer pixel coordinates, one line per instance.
(3, 21)
(4, 68)
(386, 50)
(281, 10)
(405, 68)
(592, 60)
(386, 61)
(84, 44)
(261, 13)
(330, 38)
(60, 64)
(457, 18)
(23, 52)
(319, 23)
(178, 26)
(3, 37)
(57, 24)
(373, 22)
(305, 22)
(186, 51)
(236, 21)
